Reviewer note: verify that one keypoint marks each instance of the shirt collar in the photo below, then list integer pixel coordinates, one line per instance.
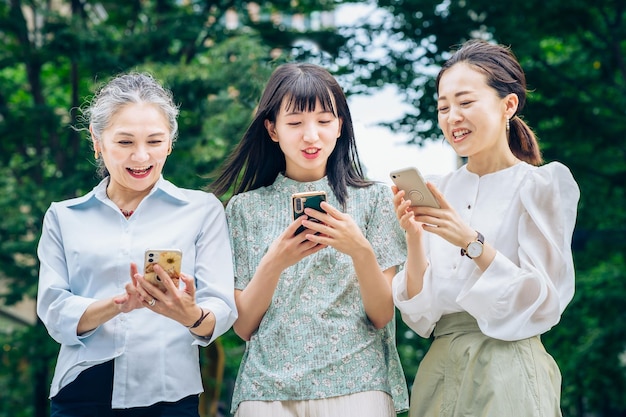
(162, 186)
(284, 183)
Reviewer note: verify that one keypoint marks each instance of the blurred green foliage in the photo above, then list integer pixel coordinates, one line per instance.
(55, 54)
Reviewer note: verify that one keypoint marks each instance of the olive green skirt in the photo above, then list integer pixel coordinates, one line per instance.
(466, 373)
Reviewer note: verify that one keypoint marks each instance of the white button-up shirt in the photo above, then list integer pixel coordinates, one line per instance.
(85, 252)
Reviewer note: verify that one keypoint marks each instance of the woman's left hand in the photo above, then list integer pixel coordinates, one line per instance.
(336, 229)
(175, 303)
(445, 221)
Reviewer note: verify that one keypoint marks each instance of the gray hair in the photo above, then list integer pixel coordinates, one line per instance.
(122, 90)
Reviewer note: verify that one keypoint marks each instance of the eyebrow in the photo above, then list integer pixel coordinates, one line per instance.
(460, 93)
(128, 134)
(294, 113)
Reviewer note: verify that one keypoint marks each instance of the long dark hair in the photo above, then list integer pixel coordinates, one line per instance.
(257, 160)
(505, 75)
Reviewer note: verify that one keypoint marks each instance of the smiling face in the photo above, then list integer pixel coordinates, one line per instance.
(471, 115)
(134, 148)
(307, 139)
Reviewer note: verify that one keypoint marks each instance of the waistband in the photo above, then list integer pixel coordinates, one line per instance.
(456, 322)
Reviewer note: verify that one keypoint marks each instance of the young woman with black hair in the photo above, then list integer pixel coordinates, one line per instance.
(315, 307)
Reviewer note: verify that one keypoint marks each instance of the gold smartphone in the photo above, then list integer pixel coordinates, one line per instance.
(169, 259)
(300, 201)
(411, 181)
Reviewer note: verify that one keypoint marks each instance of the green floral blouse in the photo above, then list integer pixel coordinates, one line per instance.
(315, 340)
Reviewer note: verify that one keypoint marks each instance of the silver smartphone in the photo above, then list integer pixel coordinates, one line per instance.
(411, 181)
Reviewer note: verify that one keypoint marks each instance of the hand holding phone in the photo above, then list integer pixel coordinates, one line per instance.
(411, 181)
(168, 259)
(300, 201)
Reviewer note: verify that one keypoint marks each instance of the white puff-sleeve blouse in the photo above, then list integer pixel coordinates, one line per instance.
(527, 214)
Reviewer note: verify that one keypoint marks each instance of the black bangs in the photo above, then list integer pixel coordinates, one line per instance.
(304, 94)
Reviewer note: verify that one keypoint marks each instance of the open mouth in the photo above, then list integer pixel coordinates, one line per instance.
(310, 152)
(459, 135)
(139, 172)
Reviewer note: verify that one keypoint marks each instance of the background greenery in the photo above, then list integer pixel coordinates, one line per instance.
(55, 53)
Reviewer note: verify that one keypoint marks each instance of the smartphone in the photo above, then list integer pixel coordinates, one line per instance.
(169, 259)
(411, 181)
(300, 201)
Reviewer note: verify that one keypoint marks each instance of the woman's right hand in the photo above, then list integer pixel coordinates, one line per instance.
(290, 248)
(131, 300)
(253, 301)
(101, 311)
(404, 213)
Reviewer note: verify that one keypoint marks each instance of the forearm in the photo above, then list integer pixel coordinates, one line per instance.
(255, 299)
(416, 265)
(375, 286)
(204, 326)
(97, 313)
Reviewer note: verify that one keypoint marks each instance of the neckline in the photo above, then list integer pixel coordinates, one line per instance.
(500, 171)
(127, 213)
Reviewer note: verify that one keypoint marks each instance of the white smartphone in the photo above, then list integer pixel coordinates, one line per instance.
(411, 181)
(169, 259)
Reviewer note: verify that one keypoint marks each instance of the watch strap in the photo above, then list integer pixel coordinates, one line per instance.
(479, 238)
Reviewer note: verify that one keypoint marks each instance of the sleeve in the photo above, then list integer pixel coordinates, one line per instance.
(214, 270)
(58, 308)
(417, 312)
(541, 284)
(238, 240)
(383, 230)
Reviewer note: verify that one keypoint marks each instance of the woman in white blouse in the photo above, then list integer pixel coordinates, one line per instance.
(492, 269)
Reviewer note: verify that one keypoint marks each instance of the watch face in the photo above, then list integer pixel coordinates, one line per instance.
(475, 249)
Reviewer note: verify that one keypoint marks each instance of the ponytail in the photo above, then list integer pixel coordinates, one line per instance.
(523, 142)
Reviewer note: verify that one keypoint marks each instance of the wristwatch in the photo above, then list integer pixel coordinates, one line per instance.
(474, 249)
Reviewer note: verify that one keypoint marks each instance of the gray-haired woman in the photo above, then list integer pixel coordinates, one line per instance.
(129, 347)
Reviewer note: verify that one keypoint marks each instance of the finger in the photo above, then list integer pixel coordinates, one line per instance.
(398, 198)
(148, 290)
(438, 195)
(332, 218)
(318, 215)
(166, 280)
(328, 208)
(403, 208)
(293, 227)
(190, 284)
(133, 271)
(328, 214)
(315, 243)
(121, 299)
(314, 227)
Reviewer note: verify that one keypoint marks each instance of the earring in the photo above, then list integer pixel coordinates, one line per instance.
(508, 124)
(96, 155)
